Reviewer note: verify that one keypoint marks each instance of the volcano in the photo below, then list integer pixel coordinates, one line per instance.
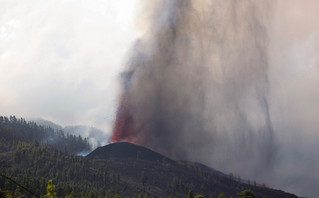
(125, 150)
(167, 176)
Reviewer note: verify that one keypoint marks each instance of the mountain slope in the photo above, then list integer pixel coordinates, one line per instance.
(123, 168)
(168, 177)
(46, 123)
(95, 136)
(14, 130)
(32, 165)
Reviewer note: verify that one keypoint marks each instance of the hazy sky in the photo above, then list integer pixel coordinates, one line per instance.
(60, 60)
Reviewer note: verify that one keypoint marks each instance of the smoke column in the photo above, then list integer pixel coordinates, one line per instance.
(232, 84)
(196, 86)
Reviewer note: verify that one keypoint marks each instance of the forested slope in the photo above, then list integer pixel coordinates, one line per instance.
(29, 157)
(14, 130)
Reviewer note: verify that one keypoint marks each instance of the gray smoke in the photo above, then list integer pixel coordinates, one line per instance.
(220, 82)
(197, 84)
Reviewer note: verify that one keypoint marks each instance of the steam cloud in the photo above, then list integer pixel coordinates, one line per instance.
(197, 86)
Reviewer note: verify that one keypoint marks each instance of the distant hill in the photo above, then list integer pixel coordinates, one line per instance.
(47, 123)
(95, 136)
(14, 130)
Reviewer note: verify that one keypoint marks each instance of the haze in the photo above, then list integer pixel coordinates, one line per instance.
(60, 60)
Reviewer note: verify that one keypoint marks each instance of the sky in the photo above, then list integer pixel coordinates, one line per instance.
(60, 60)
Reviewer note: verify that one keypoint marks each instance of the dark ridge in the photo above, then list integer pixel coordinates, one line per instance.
(127, 151)
(203, 167)
(177, 177)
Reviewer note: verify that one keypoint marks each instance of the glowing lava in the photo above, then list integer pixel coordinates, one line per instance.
(124, 125)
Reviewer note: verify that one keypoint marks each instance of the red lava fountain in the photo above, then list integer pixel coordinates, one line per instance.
(124, 124)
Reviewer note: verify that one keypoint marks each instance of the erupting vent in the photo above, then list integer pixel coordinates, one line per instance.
(196, 87)
(124, 125)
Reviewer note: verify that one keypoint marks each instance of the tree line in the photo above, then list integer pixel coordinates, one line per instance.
(14, 130)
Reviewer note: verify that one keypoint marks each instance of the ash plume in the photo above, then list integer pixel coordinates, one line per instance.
(196, 86)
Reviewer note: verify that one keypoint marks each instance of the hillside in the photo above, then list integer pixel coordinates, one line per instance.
(14, 130)
(166, 176)
(46, 123)
(122, 168)
(95, 136)
(96, 175)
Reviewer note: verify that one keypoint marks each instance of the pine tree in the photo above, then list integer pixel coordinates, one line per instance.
(190, 194)
(51, 190)
(221, 195)
(246, 194)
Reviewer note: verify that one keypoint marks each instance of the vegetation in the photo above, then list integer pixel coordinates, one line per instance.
(221, 195)
(246, 194)
(52, 194)
(13, 131)
(51, 190)
(52, 169)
